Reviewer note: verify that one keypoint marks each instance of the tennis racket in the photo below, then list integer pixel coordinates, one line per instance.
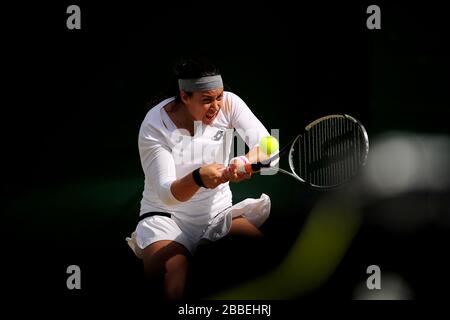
(328, 153)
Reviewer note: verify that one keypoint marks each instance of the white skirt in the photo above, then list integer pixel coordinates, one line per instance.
(156, 228)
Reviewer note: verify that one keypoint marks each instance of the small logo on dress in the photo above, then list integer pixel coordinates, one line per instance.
(218, 135)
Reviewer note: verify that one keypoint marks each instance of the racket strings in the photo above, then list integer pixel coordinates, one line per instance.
(329, 152)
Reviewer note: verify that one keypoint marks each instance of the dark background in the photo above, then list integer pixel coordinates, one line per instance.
(74, 101)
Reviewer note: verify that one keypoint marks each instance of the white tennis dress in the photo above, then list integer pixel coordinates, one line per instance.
(168, 154)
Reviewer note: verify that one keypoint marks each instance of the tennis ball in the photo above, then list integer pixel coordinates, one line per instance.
(268, 145)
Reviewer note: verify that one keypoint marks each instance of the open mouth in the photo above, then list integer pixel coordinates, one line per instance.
(211, 116)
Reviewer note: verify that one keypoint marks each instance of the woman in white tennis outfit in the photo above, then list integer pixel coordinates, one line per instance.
(184, 145)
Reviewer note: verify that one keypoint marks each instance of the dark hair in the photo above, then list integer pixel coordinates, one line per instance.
(193, 68)
(186, 68)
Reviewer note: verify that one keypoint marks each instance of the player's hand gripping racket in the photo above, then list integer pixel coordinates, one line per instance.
(329, 152)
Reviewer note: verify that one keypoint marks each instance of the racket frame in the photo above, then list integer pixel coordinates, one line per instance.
(256, 167)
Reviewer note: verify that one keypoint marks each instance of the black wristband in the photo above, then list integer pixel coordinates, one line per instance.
(197, 178)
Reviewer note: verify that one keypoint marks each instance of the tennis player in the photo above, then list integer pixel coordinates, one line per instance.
(184, 144)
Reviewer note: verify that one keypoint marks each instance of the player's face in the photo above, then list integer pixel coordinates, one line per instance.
(204, 105)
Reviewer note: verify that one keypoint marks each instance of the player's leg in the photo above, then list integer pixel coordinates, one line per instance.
(243, 249)
(241, 227)
(165, 265)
